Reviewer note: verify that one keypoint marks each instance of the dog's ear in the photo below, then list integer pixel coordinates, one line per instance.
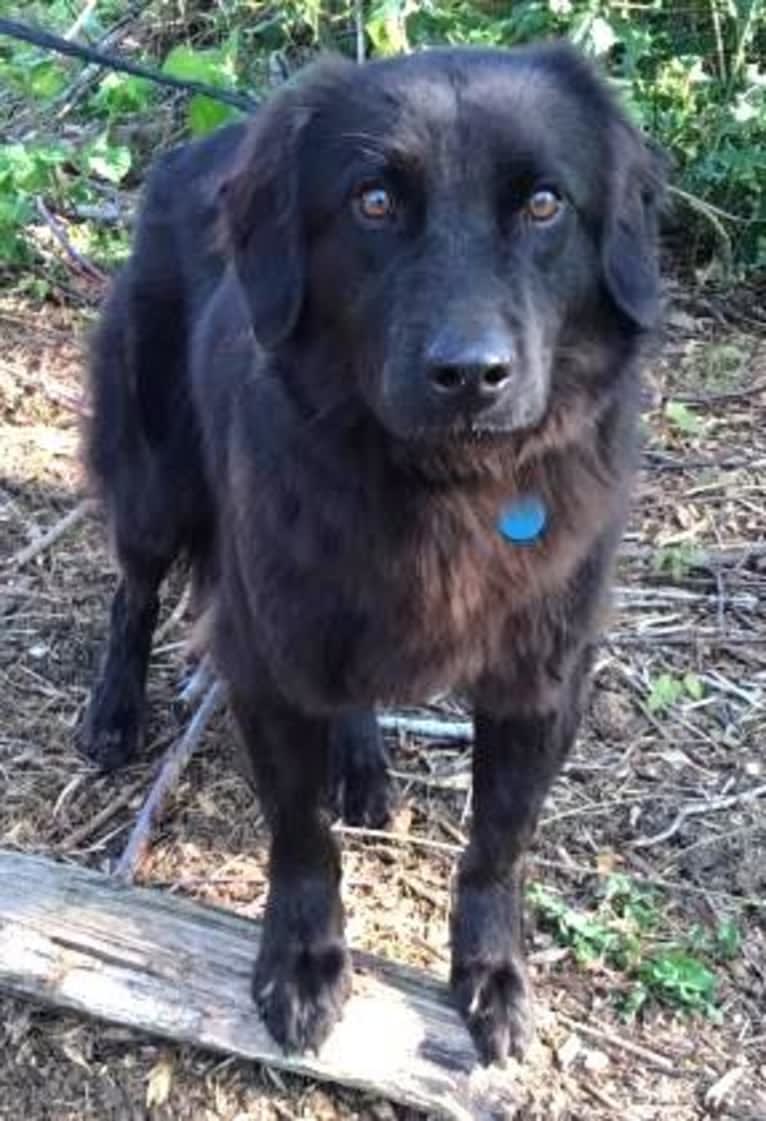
(630, 250)
(263, 231)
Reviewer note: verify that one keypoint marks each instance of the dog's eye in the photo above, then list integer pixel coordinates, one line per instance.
(544, 205)
(374, 203)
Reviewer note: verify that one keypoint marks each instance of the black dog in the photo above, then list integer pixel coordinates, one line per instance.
(372, 367)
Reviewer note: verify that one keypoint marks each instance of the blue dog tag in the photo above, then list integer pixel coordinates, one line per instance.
(524, 520)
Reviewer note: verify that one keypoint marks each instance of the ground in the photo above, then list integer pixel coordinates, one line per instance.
(666, 785)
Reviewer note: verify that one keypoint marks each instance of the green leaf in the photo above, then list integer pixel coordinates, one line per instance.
(665, 691)
(682, 418)
(387, 27)
(206, 114)
(211, 66)
(215, 68)
(109, 161)
(30, 168)
(693, 686)
(680, 979)
(122, 93)
(678, 560)
(594, 34)
(15, 211)
(634, 1001)
(45, 80)
(601, 36)
(728, 939)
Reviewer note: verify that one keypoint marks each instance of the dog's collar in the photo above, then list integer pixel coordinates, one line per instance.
(523, 521)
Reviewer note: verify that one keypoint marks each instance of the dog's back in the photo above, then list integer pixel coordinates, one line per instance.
(143, 423)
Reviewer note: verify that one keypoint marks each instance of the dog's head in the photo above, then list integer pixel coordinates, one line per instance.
(455, 230)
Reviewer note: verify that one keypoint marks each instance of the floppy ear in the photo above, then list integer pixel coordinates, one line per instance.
(262, 219)
(630, 251)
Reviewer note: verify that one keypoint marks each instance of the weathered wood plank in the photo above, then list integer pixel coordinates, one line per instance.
(140, 957)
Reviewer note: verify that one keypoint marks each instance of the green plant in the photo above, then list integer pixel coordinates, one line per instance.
(728, 940)
(56, 172)
(623, 933)
(677, 560)
(66, 174)
(120, 94)
(26, 170)
(695, 77)
(665, 691)
(590, 938)
(723, 944)
(683, 419)
(676, 978)
(722, 365)
(215, 66)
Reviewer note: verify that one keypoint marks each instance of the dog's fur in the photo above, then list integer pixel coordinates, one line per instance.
(269, 400)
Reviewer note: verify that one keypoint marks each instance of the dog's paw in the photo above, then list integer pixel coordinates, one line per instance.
(110, 733)
(365, 796)
(361, 791)
(300, 990)
(495, 1000)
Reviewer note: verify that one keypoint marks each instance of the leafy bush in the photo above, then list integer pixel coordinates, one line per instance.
(622, 934)
(55, 171)
(693, 74)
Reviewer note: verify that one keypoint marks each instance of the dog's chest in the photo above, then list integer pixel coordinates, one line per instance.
(382, 604)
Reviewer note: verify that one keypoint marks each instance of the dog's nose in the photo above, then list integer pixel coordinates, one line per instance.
(480, 369)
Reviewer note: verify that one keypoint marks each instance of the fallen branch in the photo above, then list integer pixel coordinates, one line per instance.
(644, 597)
(51, 536)
(723, 1088)
(407, 839)
(76, 939)
(701, 558)
(201, 680)
(15, 29)
(687, 636)
(175, 616)
(713, 215)
(85, 831)
(669, 1066)
(169, 773)
(91, 75)
(703, 400)
(78, 260)
(695, 809)
(571, 868)
(430, 728)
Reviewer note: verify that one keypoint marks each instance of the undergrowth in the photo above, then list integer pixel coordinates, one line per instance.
(626, 934)
(694, 74)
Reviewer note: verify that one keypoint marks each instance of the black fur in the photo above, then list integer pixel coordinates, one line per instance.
(346, 338)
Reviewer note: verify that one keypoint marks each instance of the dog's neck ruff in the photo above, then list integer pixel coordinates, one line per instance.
(523, 521)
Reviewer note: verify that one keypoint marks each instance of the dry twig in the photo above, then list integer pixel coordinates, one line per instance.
(89, 827)
(427, 727)
(51, 536)
(694, 809)
(175, 616)
(669, 1066)
(397, 838)
(172, 766)
(74, 255)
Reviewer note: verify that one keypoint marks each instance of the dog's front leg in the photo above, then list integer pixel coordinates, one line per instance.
(516, 757)
(303, 973)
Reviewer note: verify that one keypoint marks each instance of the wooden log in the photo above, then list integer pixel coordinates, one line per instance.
(77, 939)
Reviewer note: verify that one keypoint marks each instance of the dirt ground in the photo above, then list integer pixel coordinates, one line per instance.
(670, 795)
